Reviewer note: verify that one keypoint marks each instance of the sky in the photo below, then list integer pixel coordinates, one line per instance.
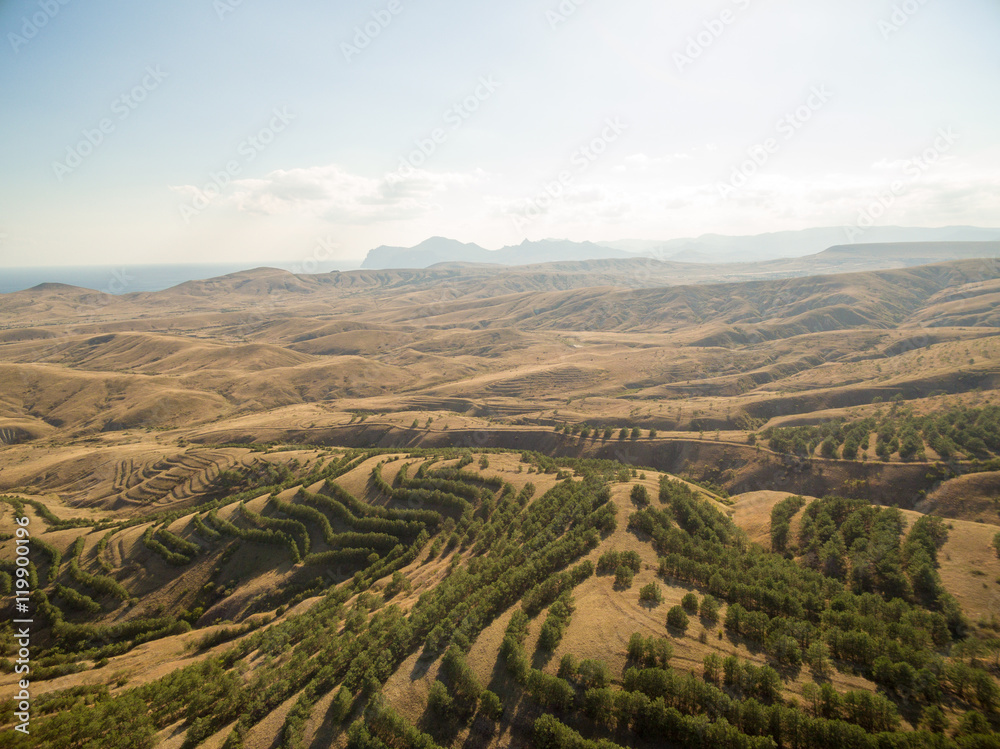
(232, 131)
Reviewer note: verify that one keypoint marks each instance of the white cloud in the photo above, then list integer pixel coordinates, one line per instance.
(496, 208)
(335, 194)
(945, 194)
(641, 162)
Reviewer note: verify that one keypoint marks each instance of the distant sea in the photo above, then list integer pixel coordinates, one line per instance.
(122, 279)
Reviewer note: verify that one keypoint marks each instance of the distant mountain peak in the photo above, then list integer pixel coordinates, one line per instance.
(57, 287)
(437, 250)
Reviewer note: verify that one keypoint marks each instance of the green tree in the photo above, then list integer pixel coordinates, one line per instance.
(639, 496)
(818, 657)
(623, 577)
(440, 704)
(594, 674)
(709, 610)
(651, 593)
(490, 705)
(677, 619)
(933, 719)
(833, 557)
(712, 668)
(568, 667)
(972, 723)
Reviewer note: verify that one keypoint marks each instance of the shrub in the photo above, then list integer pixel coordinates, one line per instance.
(640, 497)
(690, 603)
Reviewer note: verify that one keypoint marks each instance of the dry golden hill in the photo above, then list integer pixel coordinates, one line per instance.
(287, 510)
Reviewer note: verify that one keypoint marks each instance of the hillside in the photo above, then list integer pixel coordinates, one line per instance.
(485, 598)
(569, 504)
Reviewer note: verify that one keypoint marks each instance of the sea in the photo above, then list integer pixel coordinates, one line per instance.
(127, 279)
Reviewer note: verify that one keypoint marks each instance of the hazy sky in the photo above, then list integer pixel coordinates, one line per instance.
(201, 131)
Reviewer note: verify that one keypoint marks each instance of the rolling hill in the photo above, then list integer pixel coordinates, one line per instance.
(614, 502)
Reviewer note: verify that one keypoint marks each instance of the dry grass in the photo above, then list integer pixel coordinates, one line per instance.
(119, 416)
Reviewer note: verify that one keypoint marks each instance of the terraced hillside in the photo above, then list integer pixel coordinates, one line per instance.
(462, 508)
(490, 599)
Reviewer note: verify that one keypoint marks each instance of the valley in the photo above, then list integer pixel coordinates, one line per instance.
(486, 506)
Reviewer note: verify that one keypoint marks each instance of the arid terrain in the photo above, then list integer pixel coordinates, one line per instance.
(277, 510)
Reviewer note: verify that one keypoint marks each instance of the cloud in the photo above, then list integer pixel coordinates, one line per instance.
(333, 193)
(641, 162)
(946, 193)
(665, 203)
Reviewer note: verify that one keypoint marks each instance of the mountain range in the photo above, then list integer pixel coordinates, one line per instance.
(708, 248)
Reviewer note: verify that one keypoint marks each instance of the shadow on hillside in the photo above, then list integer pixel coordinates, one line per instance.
(422, 665)
(481, 732)
(541, 658)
